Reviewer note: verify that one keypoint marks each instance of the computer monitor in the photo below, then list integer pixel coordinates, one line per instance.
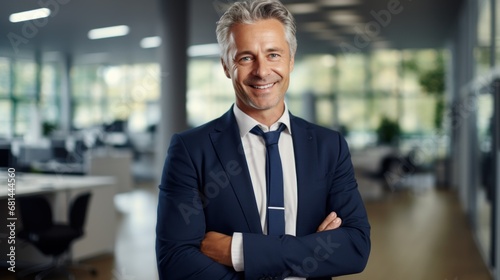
(60, 154)
(5, 157)
(28, 155)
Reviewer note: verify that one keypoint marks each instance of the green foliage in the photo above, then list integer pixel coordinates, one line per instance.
(433, 83)
(48, 128)
(411, 65)
(388, 131)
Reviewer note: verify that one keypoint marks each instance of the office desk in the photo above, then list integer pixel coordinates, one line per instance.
(31, 184)
(100, 230)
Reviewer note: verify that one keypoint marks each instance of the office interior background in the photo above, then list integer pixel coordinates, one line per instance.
(413, 86)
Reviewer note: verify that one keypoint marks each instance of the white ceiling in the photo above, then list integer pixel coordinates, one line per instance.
(327, 26)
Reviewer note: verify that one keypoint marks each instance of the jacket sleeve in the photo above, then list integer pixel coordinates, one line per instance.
(181, 222)
(323, 254)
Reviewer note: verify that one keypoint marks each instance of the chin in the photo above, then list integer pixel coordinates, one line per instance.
(265, 105)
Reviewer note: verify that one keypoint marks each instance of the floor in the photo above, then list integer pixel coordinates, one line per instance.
(415, 235)
(421, 235)
(484, 222)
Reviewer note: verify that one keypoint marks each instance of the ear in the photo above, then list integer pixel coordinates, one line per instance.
(226, 70)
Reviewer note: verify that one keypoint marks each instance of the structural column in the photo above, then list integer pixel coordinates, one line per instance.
(173, 75)
(495, 210)
(495, 221)
(65, 98)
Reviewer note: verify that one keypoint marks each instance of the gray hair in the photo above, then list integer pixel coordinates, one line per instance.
(250, 11)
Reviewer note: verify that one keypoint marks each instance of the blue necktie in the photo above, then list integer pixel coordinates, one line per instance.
(274, 181)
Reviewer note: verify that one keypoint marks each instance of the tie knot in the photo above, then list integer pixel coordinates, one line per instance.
(270, 137)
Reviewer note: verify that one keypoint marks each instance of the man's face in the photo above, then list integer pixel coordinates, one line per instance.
(259, 64)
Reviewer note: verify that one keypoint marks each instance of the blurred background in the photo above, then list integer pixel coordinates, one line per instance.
(95, 89)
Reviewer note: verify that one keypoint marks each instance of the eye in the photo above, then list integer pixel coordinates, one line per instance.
(245, 59)
(274, 56)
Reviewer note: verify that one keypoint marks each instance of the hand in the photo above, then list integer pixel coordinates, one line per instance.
(332, 221)
(217, 246)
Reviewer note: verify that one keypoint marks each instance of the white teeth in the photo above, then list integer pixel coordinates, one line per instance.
(263, 87)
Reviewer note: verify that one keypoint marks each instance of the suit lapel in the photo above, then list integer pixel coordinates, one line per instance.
(228, 147)
(304, 149)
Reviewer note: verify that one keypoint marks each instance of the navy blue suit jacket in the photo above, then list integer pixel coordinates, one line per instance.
(206, 186)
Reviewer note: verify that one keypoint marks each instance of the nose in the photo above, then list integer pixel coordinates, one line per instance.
(261, 67)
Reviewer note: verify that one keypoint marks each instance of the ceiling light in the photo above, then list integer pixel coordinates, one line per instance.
(107, 32)
(29, 15)
(204, 50)
(345, 18)
(302, 8)
(339, 3)
(151, 42)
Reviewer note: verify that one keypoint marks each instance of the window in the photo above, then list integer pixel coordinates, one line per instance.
(132, 91)
(103, 94)
(210, 92)
(5, 118)
(24, 79)
(49, 95)
(482, 51)
(88, 96)
(352, 91)
(24, 97)
(5, 101)
(5, 81)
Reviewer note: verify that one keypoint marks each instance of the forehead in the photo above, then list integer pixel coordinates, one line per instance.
(268, 31)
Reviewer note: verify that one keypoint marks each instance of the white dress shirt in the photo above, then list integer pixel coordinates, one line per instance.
(255, 152)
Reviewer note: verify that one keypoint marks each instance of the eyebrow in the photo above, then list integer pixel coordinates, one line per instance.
(269, 50)
(243, 53)
(275, 50)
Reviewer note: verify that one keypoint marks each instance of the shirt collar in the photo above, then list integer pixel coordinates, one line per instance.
(246, 123)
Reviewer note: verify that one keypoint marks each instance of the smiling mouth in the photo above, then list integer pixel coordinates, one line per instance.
(263, 86)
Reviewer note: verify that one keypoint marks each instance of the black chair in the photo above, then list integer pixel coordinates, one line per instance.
(50, 238)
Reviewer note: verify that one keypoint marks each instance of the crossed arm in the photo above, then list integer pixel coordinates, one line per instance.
(217, 246)
(187, 250)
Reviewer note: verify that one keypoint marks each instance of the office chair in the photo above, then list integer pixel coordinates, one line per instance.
(52, 239)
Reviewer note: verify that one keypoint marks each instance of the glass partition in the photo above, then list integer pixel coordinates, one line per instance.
(484, 190)
(485, 165)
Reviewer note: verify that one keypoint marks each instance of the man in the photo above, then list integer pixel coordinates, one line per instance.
(217, 217)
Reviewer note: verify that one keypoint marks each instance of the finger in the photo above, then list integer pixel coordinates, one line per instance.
(330, 218)
(332, 225)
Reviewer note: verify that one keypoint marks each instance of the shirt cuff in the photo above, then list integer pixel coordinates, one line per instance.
(237, 252)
